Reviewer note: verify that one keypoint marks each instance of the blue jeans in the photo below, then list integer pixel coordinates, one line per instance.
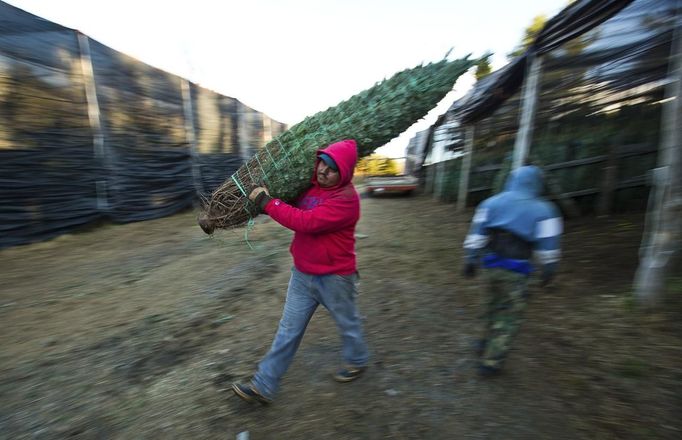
(337, 294)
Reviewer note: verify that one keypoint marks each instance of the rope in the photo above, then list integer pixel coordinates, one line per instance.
(298, 146)
(265, 175)
(316, 135)
(248, 170)
(286, 153)
(271, 158)
(249, 226)
(236, 181)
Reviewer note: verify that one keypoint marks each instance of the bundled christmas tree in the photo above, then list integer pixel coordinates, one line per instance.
(372, 117)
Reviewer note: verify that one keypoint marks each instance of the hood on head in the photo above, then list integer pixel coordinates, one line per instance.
(526, 179)
(345, 154)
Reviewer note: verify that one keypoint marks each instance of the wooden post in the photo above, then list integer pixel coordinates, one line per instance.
(525, 133)
(428, 183)
(567, 204)
(267, 129)
(662, 237)
(609, 182)
(530, 95)
(466, 169)
(439, 180)
(190, 133)
(94, 118)
(244, 132)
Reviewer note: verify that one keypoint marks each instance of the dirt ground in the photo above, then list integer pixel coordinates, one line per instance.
(137, 331)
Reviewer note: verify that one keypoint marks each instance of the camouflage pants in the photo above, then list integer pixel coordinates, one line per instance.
(508, 295)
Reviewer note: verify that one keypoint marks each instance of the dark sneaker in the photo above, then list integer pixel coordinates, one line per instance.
(348, 374)
(249, 394)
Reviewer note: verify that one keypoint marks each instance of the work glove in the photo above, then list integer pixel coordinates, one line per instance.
(469, 270)
(260, 197)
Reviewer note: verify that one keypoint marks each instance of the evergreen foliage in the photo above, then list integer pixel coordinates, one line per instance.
(372, 117)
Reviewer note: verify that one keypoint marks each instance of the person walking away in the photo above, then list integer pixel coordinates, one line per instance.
(323, 249)
(507, 231)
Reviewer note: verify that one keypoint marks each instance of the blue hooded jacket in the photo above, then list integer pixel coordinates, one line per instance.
(518, 209)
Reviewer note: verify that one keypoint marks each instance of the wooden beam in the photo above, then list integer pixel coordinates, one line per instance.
(190, 134)
(609, 181)
(632, 182)
(466, 168)
(95, 120)
(662, 235)
(530, 96)
(439, 181)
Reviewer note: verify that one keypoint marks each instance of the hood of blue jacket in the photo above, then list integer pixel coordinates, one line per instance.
(526, 180)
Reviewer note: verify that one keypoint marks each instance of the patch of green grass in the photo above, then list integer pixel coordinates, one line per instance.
(674, 285)
(633, 368)
(629, 303)
(577, 384)
(643, 431)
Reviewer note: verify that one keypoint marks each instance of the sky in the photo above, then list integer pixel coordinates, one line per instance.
(293, 58)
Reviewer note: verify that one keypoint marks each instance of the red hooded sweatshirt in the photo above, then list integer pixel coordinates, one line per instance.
(324, 219)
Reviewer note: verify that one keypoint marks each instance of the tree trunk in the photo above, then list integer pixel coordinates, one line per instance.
(662, 235)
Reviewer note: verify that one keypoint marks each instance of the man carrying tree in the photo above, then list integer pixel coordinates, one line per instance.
(507, 230)
(324, 272)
